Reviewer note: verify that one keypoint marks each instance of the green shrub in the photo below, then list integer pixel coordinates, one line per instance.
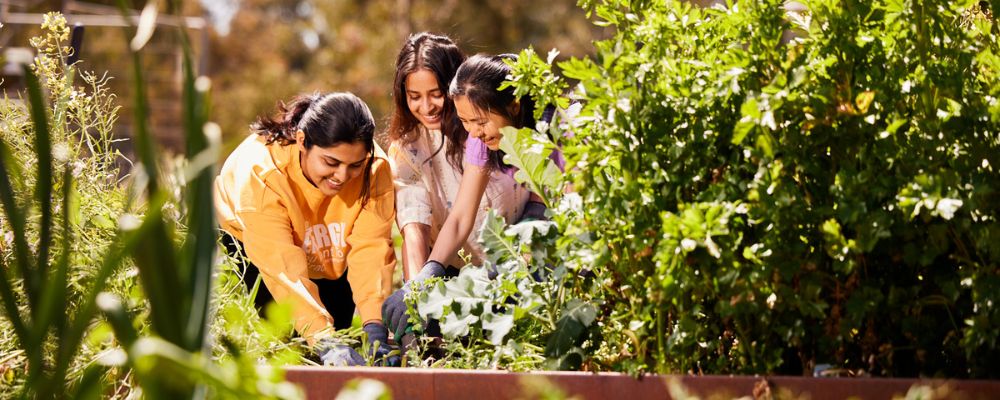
(766, 192)
(759, 191)
(61, 203)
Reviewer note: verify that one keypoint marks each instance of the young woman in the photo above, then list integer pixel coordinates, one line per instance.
(309, 203)
(482, 110)
(426, 152)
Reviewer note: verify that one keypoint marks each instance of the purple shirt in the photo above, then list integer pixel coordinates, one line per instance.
(476, 153)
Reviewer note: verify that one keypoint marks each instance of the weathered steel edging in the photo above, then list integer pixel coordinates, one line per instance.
(413, 383)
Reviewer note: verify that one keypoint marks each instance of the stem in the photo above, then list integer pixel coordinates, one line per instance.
(660, 337)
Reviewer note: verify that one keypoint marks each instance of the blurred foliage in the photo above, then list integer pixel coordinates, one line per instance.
(276, 49)
(262, 51)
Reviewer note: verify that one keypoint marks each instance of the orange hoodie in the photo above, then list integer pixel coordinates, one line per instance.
(293, 233)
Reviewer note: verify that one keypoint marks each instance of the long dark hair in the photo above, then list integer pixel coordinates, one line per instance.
(326, 119)
(478, 79)
(440, 55)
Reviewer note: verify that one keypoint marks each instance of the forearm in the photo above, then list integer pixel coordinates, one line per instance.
(416, 248)
(453, 234)
(462, 217)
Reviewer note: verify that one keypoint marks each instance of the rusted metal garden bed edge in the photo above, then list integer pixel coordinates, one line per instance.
(412, 383)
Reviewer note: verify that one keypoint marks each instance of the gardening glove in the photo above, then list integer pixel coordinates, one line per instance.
(394, 308)
(335, 353)
(378, 344)
(534, 211)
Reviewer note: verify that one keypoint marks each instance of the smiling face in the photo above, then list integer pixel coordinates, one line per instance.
(330, 168)
(425, 98)
(480, 124)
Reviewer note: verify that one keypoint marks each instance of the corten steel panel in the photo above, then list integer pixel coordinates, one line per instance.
(410, 383)
(326, 382)
(884, 388)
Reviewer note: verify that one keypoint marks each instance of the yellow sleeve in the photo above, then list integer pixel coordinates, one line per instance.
(372, 260)
(270, 246)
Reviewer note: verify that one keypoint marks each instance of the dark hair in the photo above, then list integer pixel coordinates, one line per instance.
(326, 120)
(479, 79)
(439, 55)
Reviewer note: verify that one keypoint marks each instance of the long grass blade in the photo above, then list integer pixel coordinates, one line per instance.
(156, 259)
(115, 313)
(154, 253)
(21, 254)
(91, 386)
(43, 190)
(43, 185)
(199, 250)
(54, 297)
(143, 139)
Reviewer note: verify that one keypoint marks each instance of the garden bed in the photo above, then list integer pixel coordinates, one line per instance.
(327, 382)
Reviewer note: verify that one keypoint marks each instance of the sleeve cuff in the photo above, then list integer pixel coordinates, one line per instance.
(413, 214)
(370, 310)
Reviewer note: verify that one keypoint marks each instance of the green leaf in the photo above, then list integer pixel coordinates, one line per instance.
(579, 69)
(70, 343)
(497, 245)
(21, 254)
(144, 144)
(528, 230)
(577, 316)
(54, 297)
(468, 290)
(529, 151)
(742, 129)
(113, 310)
(43, 189)
(156, 259)
(433, 301)
(498, 325)
(455, 326)
(198, 255)
(91, 385)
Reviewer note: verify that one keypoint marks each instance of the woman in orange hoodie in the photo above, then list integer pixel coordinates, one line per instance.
(307, 202)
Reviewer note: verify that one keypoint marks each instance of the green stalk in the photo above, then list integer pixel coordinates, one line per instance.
(198, 255)
(661, 334)
(156, 259)
(16, 222)
(143, 139)
(43, 187)
(55, 294)
(43, 190)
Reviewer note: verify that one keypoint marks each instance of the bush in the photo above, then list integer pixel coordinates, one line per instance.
(61, 204)
(768, 191)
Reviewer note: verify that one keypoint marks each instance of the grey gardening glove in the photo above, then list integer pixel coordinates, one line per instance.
(333, 352)
(394, 308)
(378, 344)
(534, 211)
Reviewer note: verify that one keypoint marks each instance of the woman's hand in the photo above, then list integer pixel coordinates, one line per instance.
(394, 308)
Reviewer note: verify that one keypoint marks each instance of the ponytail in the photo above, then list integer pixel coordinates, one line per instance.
(282, 126)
